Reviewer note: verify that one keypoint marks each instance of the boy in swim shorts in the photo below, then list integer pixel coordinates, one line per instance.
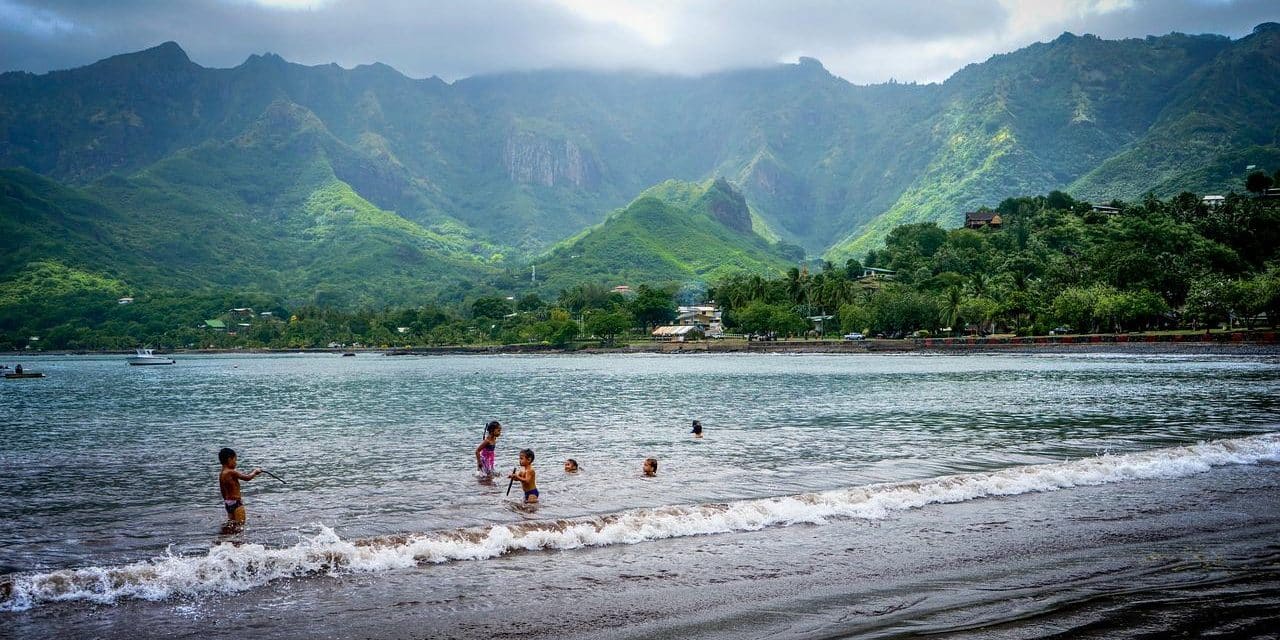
(229, 484)
(527, 476)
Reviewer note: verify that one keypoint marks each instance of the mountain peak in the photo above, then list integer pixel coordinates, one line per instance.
(167, 55)
(168, 50)
(811, 65)
(378, 70)
(726, 204)
(265, 59)
(283, 123)
(1267, 27)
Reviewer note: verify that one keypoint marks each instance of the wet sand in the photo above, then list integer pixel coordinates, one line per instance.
(1178, 558)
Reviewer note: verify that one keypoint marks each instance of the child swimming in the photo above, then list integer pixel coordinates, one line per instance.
(650, 467)
(485, 452)
(570, 466)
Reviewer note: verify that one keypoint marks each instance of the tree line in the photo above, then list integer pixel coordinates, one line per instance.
(1053, 263)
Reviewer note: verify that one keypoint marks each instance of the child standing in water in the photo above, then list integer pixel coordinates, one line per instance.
(485, 452)
(527, 476)
(697, 429)
(229, 484)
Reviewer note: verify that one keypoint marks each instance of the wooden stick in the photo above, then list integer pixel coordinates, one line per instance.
(513, 480)
(274, 476)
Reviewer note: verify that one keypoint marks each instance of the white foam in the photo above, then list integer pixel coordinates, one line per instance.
(230, 568)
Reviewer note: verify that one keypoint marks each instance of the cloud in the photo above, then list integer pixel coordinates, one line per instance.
(34, 21)
(861, 40)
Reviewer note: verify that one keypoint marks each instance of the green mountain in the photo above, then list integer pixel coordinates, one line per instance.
(1038, 119)
(1220, 119)
(674, 232)
(362, 185)
(263, 212)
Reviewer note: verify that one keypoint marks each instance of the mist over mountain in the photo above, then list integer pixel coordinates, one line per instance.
(296, 179)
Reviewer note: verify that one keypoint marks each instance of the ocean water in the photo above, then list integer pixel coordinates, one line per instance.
(109, 474)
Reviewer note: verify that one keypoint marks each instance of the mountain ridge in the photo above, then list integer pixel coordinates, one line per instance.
(495, 171)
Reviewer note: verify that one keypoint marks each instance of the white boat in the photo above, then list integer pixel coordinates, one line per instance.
(144, 356)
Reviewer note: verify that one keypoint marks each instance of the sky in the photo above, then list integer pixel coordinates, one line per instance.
(862, 41)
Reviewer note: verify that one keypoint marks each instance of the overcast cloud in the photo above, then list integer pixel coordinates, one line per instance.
(861, 41)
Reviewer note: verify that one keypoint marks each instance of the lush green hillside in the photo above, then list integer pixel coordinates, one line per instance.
(45, 221)
(1038, 119)
(361, 185)
(264, 212)
(675, 233)
(1222, 118)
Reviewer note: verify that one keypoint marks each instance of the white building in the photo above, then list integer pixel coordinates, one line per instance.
(707, 316)
(678, 333)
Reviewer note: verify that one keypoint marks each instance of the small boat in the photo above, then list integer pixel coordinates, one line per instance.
(15, 376)
(348, 355)
(144, 356)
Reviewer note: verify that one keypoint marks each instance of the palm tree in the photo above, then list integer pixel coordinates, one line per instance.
(978, 283)
(757, 288)
(951, 308)
(795, 285)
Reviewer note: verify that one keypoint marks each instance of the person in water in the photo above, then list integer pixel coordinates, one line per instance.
(570, 466)
(697, 429)
(527, 476)
(485, 452)
(650, 467)
(229, 484)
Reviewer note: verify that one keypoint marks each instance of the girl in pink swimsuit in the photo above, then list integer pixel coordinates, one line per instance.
(485, 452)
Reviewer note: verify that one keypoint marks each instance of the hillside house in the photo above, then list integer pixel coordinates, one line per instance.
(1102, 208)
(709, 317)
(874, 273)
(215, 325)
(1213, 201)
(980, 219)
(124, 301)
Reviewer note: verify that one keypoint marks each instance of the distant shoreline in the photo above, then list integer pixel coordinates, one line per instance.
(1238, 343)
(1258, 343)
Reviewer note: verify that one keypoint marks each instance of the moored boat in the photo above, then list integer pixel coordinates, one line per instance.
(145, 356)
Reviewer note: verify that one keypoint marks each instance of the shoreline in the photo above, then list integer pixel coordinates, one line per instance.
(1234, 343)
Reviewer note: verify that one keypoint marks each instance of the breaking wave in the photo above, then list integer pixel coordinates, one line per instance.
(228, 568)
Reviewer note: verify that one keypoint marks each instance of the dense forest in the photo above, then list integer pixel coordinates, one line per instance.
(1053, 263)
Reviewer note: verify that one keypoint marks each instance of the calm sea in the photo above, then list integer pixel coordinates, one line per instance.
(109, 474)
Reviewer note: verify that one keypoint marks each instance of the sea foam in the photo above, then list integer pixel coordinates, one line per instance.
(228, 568)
